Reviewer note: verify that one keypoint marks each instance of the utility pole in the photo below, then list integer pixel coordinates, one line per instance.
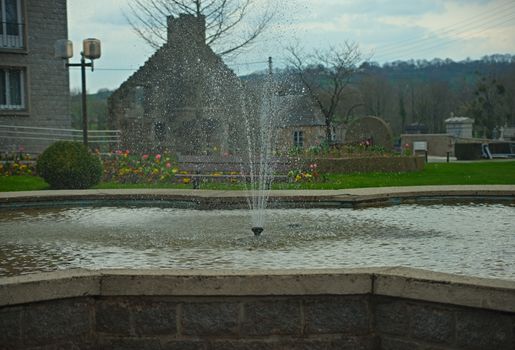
(270, 70)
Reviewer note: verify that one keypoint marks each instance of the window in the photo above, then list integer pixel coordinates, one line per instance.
(12, 88)
(298, 138)
(11, 28)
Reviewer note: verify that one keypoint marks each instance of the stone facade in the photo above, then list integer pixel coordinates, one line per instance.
(46, 82)
(183, 99)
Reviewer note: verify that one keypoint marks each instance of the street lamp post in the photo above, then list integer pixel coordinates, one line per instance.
(90, 50)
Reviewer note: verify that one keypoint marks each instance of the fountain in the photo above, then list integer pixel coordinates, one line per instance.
(261, 129)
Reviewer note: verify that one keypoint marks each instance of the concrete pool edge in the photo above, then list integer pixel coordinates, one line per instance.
(208, 199)
(399, 282)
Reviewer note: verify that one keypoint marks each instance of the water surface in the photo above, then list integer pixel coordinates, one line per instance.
(476, 239)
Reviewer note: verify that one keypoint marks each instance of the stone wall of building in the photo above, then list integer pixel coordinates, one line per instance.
(47, 82)
(366, 309)
(312, 136)
(183, 99)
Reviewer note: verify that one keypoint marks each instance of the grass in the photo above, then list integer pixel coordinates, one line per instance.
(474, 173)
(22, 183)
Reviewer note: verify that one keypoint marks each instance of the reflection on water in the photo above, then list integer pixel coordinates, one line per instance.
(475, 239)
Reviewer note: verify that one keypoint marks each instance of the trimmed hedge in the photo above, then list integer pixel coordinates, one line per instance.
(69, 165)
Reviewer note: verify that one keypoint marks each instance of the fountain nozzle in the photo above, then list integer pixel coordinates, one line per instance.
(257, 230)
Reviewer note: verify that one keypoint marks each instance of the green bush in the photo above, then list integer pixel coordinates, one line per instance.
(69, 165)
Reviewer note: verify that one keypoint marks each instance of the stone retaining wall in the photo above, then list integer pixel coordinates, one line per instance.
(369, 309)
(369, 164)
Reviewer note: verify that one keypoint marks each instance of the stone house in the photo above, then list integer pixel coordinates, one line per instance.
(303, 125)
(34, 86)
(183, 99)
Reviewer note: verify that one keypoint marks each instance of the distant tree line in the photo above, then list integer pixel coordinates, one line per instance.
(97, 109)
(401, 92)
(419, 91)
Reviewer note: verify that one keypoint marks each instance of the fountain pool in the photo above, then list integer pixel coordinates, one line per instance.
(472, 239)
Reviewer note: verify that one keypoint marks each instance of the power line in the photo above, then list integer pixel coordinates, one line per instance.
(423, 46)
(447, 29)
(450, 41)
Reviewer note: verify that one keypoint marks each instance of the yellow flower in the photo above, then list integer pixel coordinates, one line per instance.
(186, 180)
(175, 170)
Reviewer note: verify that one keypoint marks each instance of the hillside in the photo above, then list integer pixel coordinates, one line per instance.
(401, 92)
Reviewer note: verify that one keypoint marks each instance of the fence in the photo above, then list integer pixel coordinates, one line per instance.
(36, 139)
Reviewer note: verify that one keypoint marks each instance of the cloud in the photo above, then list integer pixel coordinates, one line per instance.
(391, 29)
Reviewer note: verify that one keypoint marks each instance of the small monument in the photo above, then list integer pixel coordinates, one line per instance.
(459, 126)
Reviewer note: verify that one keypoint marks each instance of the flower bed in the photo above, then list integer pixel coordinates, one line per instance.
(16, 164)
(123, 167)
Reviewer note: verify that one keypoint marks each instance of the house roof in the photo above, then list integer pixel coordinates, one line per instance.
(178, 57)
(301, 111)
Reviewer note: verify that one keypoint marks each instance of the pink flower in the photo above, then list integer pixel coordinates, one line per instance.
(145, 157)
(127, 152)
(168, 165)
(119, 152)
(158, 156)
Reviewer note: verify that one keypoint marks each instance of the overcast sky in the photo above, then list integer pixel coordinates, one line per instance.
(385, 30)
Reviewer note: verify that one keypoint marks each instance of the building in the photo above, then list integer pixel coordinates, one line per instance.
(303, 125)
(34, 86)
(183, 99)
(415, 128)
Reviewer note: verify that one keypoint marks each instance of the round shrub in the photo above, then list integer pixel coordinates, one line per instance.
(69, 165)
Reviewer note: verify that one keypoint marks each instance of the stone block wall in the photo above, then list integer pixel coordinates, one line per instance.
(295, 322)
(47, 84)
(408, 324)
(252, 312)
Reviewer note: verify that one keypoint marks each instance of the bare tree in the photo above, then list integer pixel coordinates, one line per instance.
(325, 76)
(228, 27)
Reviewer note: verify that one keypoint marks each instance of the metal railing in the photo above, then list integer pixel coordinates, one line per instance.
(11, 35)
(16, 136)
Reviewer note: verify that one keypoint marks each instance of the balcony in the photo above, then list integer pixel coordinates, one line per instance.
(12, 35)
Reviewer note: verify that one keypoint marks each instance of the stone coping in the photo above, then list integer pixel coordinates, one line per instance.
(302, 198)
(409, 283)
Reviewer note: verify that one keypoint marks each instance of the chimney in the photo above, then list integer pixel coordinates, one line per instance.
(187, 28)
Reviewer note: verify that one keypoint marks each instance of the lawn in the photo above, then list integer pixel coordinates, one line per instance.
(474, 173)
